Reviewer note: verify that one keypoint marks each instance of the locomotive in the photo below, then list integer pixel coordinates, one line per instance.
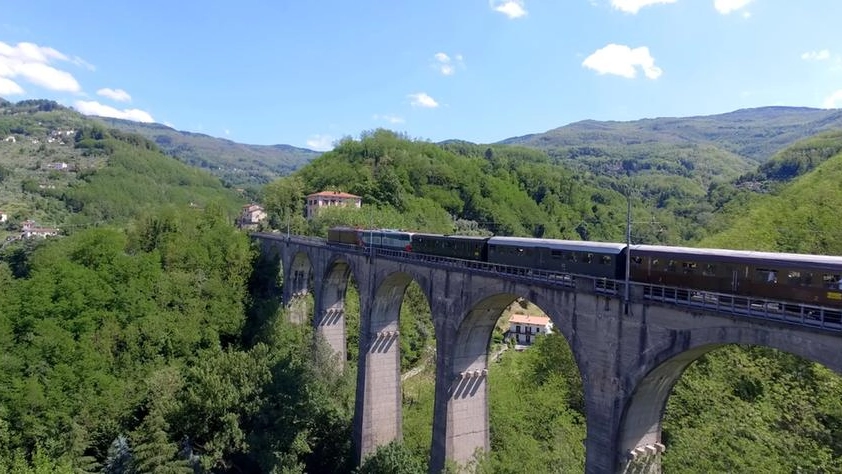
(806, 279)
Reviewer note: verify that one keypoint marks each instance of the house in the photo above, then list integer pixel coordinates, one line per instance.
(250, 216)
(322, 199)
(59, 166)
(3, 216)
(524, 328)
(10, 139)
(30, 229)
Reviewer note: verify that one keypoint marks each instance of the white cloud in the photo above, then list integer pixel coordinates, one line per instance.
(320, 142)
(115, 94)
(816, 55)
(82, 63)
(620, 60)
(9, 87)
(32, 63)
(633, 6)
(394, 119)
(421, 99)
(511, 8)
(727, 6)
(833, 101)
(447, 65)
(95, 108)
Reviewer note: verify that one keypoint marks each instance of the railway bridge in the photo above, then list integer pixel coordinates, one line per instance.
(630, 346)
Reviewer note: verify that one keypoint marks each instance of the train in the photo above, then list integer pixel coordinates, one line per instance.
(814, 280)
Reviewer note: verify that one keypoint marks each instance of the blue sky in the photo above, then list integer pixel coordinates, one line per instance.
(309, 72)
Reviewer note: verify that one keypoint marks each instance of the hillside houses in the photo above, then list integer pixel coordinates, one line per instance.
(29, 229)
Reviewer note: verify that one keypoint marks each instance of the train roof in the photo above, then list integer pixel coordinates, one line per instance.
(573, 245)
(363, 230)
(456, 237)
(829, 262)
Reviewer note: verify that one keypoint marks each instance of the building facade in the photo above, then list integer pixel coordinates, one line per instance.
(320, 200)
(29, 229)
(524, 328)
(250, 216)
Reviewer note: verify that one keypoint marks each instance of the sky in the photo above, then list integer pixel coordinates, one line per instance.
(310, 72)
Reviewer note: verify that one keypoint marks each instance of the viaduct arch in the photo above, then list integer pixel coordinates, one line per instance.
(629, 361)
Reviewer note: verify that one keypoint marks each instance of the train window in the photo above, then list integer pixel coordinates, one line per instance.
(832, 281)
(689, 267)
(655, 263)
(710, 270)
(588, 258)
(605, 260)
(766, 275)
(556, 254)
(571, 257)
(671, 266)
(637, 260)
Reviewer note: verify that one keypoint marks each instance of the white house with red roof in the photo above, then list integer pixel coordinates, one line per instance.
(320, 200)
(30, 229)
(524, 328)
(250, 216)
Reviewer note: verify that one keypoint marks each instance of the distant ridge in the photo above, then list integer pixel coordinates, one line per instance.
(236, 163)
(755, 133)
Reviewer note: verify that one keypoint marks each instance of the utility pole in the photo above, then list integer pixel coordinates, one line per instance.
(627, 292)
(628, 250)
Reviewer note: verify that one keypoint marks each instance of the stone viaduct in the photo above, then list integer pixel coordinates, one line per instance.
(629, 356)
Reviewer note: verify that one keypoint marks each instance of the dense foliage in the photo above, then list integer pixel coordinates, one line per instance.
(148, 339)
(126, 348)
(66, 171)
(235, 163)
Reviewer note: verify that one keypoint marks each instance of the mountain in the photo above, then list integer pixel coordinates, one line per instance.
(236, 163)
(731, 143)
(62, 169)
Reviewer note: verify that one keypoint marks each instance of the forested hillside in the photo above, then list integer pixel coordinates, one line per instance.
(799, 210)
(235, 163)
(500, 189)
(125, 342)
(147, 338)
(61, 169)
(787, 402)
(751, 134)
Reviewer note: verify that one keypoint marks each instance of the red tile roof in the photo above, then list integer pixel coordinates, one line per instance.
(336, 194)
(529, 319)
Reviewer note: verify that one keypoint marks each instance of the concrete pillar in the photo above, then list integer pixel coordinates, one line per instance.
(331, 326)
(378, 416)
(445, 336)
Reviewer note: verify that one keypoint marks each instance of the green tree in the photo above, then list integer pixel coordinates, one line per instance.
(392, 458)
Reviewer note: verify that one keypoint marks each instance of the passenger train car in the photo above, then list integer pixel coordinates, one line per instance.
(377, 238)
(807, 279)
